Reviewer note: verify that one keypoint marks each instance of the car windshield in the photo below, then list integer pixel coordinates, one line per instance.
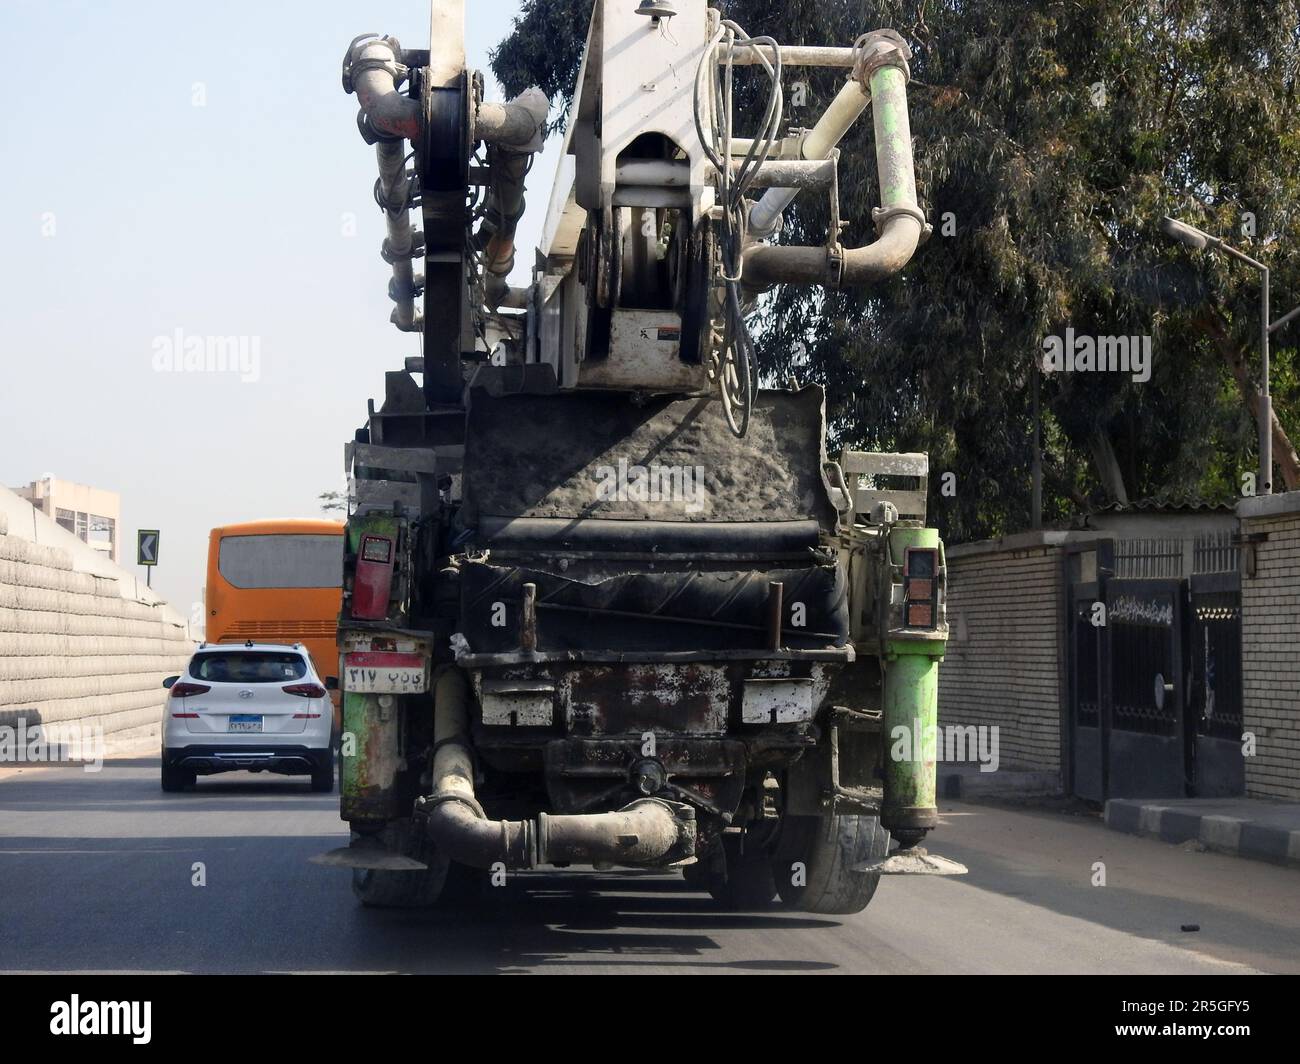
(248, 666)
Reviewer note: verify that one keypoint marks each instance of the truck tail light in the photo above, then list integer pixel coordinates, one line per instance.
(185, 690)
(373, 580)
(920, 580)
(306, 690)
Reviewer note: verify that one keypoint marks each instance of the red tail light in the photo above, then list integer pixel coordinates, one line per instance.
(186, 716)
(184, 690)
(306, 690)
(306, 716)
(920, 576)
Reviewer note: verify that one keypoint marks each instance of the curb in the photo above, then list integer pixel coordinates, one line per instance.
(1235, 836)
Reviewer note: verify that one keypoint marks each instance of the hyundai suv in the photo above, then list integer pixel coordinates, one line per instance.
(254, 707)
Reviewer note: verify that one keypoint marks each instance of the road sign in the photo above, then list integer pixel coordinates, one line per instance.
(146, 547)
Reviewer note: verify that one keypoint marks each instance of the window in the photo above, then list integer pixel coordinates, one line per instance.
(274, 561)
(248, 666)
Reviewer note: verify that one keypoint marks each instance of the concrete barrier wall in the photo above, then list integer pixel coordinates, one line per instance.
(1270, 643)
(82, 643)
(1002, 664)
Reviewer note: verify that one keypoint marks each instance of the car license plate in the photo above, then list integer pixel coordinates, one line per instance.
(384, 673)
(245, 722)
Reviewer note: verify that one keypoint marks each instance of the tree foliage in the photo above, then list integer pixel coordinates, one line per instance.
(1049, 137)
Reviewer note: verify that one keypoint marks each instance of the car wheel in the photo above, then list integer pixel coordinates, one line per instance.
(177, 779)
(322, 777)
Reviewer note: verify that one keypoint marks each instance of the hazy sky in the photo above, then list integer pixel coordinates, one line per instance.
(183, 166)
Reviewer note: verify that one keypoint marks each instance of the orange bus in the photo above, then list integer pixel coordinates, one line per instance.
(277, 582)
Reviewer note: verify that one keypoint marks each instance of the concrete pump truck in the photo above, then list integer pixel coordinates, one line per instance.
(607, 601)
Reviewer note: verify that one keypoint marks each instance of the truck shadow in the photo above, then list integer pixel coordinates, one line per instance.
(591, 922)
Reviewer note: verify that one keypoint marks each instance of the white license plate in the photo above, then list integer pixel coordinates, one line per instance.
(384, 679)
(245, 722)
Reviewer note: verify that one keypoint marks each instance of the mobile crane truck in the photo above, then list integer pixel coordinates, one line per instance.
(607, 601)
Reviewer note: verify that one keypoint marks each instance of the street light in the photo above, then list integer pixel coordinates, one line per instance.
(1192, 237)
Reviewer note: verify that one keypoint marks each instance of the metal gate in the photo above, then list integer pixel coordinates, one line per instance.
(1146, 747)
(1153, 671)
(1087, 662)
(1216, 694)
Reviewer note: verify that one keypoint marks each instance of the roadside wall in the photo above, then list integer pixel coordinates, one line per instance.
(82, 642)
(1002, 666)
(1270, 643)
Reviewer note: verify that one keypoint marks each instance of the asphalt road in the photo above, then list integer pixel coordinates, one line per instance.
(97, 875)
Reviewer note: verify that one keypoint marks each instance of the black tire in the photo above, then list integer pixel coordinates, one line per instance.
(742, 881)
(176, 779)
(444, 883)
(696, 875)
(379, 889)
(828, 848)
(322, 777)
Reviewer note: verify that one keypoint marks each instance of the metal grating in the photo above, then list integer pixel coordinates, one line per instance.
(1148, 559)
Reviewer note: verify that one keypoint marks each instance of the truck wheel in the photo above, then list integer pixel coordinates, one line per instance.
(177, 779)
(695, 876)
(322, 778)
(444, 883)
(828, 848)
(380, 889)
(743, 881)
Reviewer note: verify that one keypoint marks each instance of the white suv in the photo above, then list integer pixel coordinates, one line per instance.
(249, 706)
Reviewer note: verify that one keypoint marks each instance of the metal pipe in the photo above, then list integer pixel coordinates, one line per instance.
(513, 131)
(910, 708)
(390, 118)
(775, 614)
(899, 219)
(791, 175)
(400, 245)
(373, 69)
(518, 123)
(528, 618)
(849, 103)
(456, 822)
(646, 832)
(791, 56)
(661, 173)
(876, 51)
(1192, 237)
(643, 833)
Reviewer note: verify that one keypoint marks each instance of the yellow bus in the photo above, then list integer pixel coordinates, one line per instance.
(277, 582)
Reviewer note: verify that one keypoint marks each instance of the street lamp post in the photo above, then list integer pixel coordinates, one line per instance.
(1192, 237)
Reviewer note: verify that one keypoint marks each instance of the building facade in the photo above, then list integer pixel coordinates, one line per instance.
(93, 515)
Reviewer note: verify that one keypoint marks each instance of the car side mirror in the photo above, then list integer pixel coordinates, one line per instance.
(331, 683)
(170, 680)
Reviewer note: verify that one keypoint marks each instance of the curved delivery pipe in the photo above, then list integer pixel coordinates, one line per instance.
(647, 832)
(899, 220)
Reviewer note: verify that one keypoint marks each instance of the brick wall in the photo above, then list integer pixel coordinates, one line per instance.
(1270, 646)
(74, 651)
(1002, 661)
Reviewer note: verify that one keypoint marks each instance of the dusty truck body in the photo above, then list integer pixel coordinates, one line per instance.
(607, 602)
